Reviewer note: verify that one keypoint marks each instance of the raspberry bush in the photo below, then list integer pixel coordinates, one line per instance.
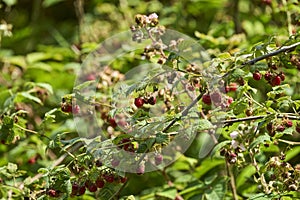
(212, 117)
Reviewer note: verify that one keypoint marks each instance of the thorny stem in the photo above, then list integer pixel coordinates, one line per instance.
(232, 180)
(262, 177)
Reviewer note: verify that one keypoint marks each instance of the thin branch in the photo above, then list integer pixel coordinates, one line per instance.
(232, 181)
(273, 53)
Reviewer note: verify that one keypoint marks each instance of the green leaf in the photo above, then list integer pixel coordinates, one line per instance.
(12, 168)
(260, 139)
(48, 3)
(204, 124)
(46, 86)
(161, 138)
(218, 147)
(169, 193)
(244, 175)
(27, 95)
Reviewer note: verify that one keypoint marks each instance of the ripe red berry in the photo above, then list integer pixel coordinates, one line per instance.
(123, 179)
(152, 100)
(92, 187)
(288, 123)
(32, 160)
(75, 188)
(206, 99)
(100, 183)
(158, 159)
(282, 76)
(256, 76)
(112, 122)
(139, 102)
(66, 107)
(90, 77)
(109, 178)
(280, 128)
(298, 128)
(216, 97)
(232, 87)
(276, 81)
(52, 193)
(229, 101)
(81, 190)
(268, 76)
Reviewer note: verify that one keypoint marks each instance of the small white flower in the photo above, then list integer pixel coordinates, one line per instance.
(234, 144)
(153, 16)
(234, 134)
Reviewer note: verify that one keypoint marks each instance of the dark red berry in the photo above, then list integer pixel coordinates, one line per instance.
(90, 77)
(206, 99)
(158, 159)
(282, 76)
(52, 193)
(81, 190)
(288, 123)
(229, 101)
(92, 187)
(280, 128)
(276, 81)
(298, 128)
(268, 76)
(109, 178)
(123, 179)
(99, 163)
(112, 122)
(139, 102)
(256, 76)
(267, 2)
(75, 188)
(66, 107)
(100, 183)
(152, 100)
(190, 88)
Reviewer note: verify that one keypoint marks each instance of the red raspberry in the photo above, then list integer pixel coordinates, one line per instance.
(280, 128)
(75, 188)
(76, 109)
(233, 87)
(139, 102)
(92, 187)
(81, 190)
(206, 99)
(268, 76)
(152, 100)
(276, 81)
(123, 179)
(256, 76)
(113, 122)
(289, 123)
(109, 178)
(282, 76)
(52, 193)
(100, 183)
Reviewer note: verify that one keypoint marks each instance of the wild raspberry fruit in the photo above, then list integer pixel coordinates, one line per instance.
(152, 100)
(267, 2)
(256, 76)
(109, 178)
(139, 102)
(100, 183)
(75, 188)
(282, 76)
(288, 123)
(276, 81)
(52, 193)
(229, 101)
(90, 77)
(232, 87)
(123, 179)
(268, 76)
(66, 107)
(206, 99)
(112, 122)
(280, 128)
(81, 190)
(92, 187)
(99, 163)
(298, 128)
(32, 160)
(158, 159)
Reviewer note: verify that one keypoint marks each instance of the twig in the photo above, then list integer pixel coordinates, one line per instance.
(232, 181)
(255, 60)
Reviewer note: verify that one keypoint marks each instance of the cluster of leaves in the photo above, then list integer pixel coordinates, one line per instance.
(256, 100)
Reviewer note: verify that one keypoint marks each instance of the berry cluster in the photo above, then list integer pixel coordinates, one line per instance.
(274, 79)
(272, 127)
(69, 106)
(217, 99)
(140, 101)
